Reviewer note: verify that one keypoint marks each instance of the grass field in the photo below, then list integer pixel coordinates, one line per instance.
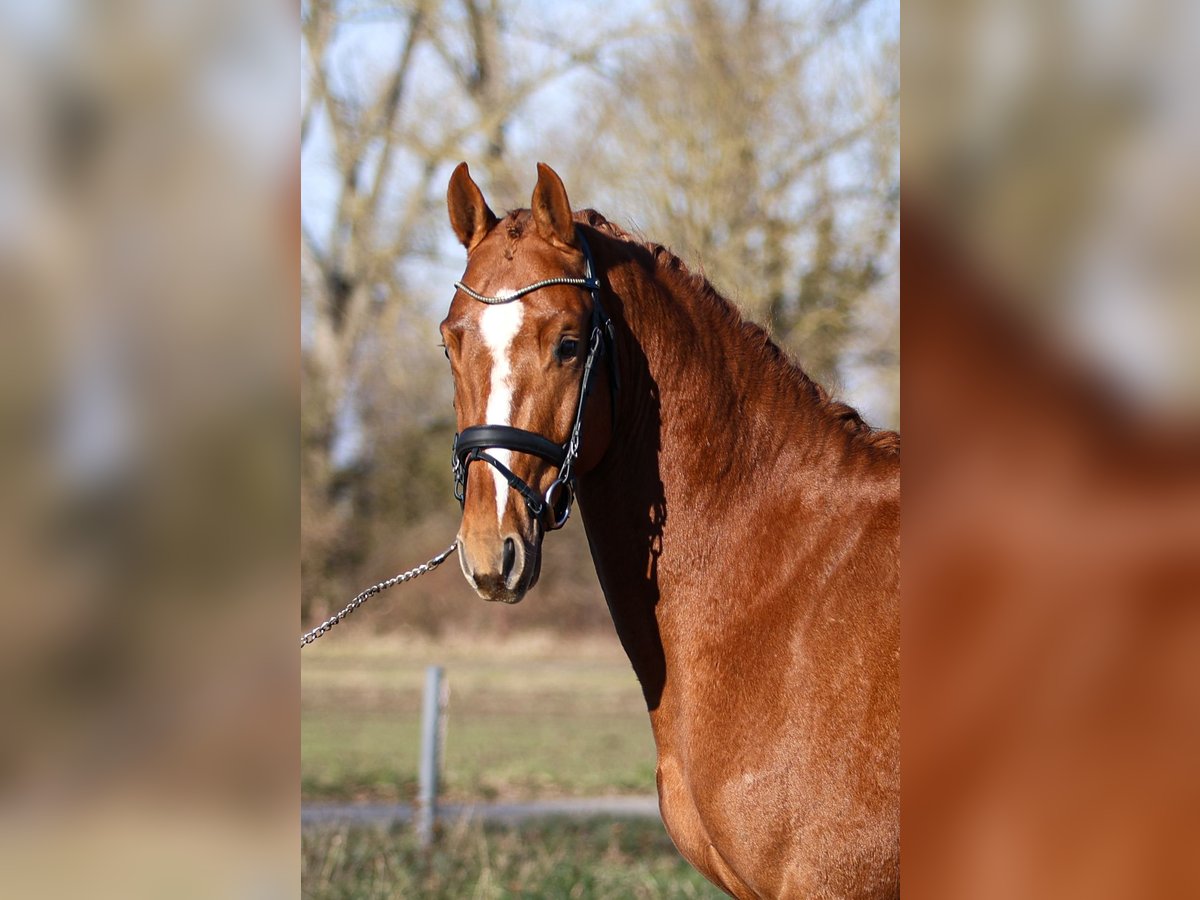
(528, 718)
(597, 858)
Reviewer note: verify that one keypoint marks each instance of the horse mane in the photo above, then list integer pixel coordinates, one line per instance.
(753, 336)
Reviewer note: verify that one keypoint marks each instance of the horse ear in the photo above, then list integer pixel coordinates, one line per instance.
(470, 216)
(551, 209)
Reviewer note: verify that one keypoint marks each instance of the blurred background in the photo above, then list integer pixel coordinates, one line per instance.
(760, 141)
(1051, 537)
(148, 541)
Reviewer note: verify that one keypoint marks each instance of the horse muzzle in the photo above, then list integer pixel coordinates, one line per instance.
(501, 570)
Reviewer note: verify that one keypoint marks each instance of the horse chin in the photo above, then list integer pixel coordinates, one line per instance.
(505, 596)
(497, 593)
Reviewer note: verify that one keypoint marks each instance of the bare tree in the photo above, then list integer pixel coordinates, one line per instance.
(763, 139)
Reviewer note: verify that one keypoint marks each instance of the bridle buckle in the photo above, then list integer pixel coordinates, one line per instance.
(554, 494)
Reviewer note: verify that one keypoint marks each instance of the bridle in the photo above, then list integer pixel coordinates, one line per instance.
(475, 442)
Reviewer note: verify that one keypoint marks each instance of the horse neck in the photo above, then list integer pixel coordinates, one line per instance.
(709, 428)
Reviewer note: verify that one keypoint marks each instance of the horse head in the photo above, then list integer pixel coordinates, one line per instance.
(526, 335)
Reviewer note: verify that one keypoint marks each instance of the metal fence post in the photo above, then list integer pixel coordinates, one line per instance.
(431, 733)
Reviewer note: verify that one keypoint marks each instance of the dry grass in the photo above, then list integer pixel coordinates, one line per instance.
(597, 858)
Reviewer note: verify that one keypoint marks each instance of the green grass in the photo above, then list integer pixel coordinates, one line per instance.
(596, 858)
(529, 718)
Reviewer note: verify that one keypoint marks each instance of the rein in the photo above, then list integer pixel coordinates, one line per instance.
(474, 443)
(309, 636)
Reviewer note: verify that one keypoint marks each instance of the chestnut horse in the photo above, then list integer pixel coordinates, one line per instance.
(744, 528)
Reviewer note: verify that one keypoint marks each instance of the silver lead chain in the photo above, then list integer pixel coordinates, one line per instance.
(374, 589)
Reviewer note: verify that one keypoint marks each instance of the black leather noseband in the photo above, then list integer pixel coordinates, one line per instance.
(475, 442)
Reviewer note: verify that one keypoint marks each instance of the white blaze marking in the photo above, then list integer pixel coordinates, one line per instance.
(500, 325)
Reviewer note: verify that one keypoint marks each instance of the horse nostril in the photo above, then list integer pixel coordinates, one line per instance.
(509, 559)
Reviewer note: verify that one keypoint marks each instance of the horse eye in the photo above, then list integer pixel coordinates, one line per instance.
(566, 349)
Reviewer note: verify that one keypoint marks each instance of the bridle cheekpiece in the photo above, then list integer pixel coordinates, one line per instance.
(475, 442)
